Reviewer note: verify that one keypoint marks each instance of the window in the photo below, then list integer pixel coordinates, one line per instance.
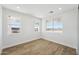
(36, 27)
(49, 25)
(54, 25)
(14, 25)
(58, 26)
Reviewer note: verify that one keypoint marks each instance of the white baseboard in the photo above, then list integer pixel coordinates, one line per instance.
(19, 43)
(60, 43)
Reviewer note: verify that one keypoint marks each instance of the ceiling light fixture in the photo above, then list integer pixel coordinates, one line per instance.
(18, 7)
(51, 11)
(60, 8)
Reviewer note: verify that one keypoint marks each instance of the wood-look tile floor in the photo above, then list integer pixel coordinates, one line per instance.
(39, 47)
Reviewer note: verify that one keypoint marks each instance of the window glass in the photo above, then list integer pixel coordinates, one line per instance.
(55, 25)
(14, 24)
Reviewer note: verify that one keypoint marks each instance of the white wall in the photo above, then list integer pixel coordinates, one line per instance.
(69, 35)
(78, 33)
(0, 27)
(27, 33)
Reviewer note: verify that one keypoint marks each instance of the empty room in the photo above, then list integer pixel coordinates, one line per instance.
(39, 29)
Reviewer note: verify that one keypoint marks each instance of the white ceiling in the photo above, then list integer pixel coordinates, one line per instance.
(40, 10)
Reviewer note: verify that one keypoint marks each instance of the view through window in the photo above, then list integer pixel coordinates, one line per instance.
(54, 25)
